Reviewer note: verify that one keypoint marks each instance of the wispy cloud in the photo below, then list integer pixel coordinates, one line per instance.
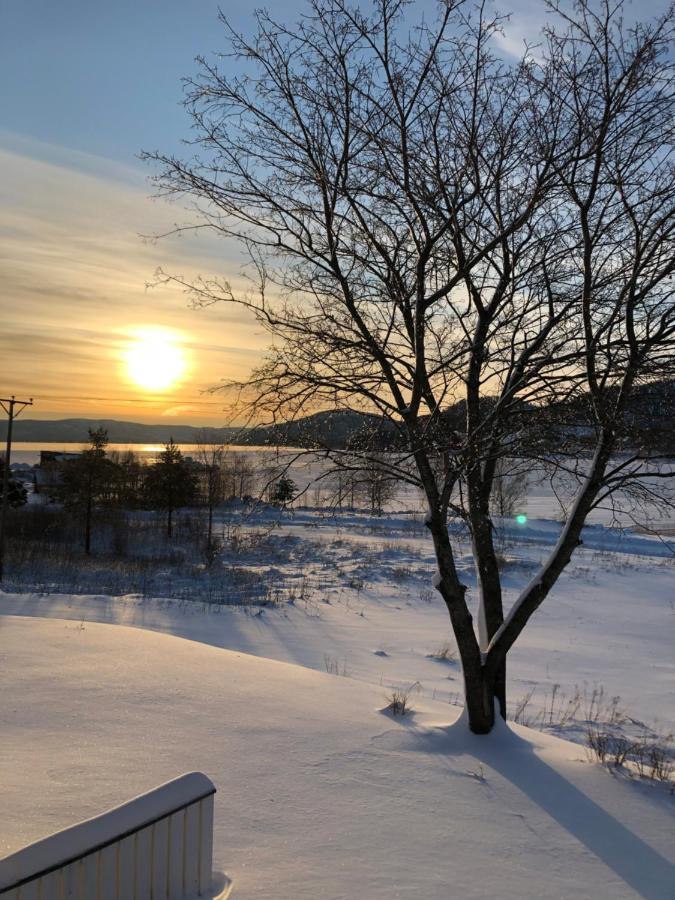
(74, 284)
(522, 25)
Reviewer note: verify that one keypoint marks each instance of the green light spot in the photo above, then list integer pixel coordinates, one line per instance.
(521, 518)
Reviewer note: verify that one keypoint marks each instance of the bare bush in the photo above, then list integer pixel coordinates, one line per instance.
(401, 573)
(600, 723)
(520, 713)
(399, 700)
(131, 555)
(332, 665)
(445, 653)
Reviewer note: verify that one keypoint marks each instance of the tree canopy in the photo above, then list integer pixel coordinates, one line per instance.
(171, 483)
(430, 224)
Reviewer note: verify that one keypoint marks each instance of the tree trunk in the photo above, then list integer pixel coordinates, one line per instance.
(169, 517)
(479, 698)
(485, 697)
(480, 691)
(500, 689)
(87, 525)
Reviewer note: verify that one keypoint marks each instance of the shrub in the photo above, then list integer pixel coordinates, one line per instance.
(399, 700)
(444, 653)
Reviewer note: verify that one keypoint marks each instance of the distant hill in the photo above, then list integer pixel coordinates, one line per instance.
(650, 418)
(648, 421)
(75, 431)
(334, 428)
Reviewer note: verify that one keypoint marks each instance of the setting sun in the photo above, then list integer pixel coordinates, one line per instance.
(154, 359)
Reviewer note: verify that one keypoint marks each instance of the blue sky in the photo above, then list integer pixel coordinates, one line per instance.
(105, 77)
(100, 77)
(86, 86)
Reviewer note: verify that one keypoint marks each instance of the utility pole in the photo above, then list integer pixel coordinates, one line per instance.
(12, 408)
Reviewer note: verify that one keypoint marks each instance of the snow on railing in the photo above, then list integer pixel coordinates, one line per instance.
(157, 845)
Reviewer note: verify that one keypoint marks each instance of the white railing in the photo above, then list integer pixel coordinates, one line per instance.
(157, 845)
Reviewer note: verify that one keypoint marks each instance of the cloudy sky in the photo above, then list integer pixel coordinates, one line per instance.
(86, 86)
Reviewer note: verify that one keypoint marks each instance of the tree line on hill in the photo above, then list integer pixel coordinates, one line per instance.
(98, 479)
(648, 421)
(92, 486)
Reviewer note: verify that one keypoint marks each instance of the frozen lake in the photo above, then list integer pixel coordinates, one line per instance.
(540, 500)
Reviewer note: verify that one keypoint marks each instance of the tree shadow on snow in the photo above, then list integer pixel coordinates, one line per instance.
(626, 854)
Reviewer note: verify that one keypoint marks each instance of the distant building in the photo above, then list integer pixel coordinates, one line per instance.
(54, 457)
(48, 470)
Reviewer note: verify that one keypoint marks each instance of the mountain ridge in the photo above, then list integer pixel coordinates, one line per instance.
(650, 415)
(75, 431)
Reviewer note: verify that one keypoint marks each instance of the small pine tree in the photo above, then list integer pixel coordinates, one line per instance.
(86, 481)
(16, 492)
(283, 491)
(170, 483)
(127, 486)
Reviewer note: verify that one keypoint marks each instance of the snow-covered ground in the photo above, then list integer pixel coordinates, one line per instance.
(355, 598)
(320, 793)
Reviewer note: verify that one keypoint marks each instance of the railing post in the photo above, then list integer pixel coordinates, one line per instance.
(206, 844)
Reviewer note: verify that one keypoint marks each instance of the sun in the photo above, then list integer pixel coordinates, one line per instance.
(154, 359)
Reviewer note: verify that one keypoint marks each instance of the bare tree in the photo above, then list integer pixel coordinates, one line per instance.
(239, 474)
(211, 457)
(87, 480)
(509, 488)
(368, 479)
(462, 245)
(128, 484)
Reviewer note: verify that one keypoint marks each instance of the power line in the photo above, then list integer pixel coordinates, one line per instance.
(12, 408)
(173, 400)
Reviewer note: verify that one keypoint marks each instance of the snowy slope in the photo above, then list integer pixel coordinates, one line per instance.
(610, 621)
(320, 794)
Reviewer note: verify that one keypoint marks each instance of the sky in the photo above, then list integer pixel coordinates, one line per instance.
(91, 85)
(87, 85)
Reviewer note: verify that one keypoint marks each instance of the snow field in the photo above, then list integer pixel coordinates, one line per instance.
(364, 606)
(320, 794)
